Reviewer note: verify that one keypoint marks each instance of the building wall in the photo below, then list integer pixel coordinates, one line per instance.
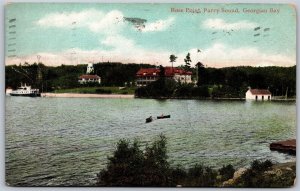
(145, 80)
(183, 78)
(250, 96)
(83, 81)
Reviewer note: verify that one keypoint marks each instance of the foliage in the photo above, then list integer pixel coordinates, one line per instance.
(161, 88)
(260, 175)
(173, 58)
(131, 166)
(117, 74)
(202, 74)
(226, 172)
(226, 82)
(187, 61)
(161, 71)
(66, 77)
(201, 176)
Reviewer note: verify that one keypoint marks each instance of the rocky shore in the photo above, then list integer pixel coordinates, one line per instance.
(283, 174)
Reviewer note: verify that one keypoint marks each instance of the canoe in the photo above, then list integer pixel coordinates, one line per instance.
(163, 116)
(149, 119)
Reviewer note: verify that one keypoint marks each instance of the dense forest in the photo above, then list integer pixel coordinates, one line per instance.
(213, 82)
(48, 78)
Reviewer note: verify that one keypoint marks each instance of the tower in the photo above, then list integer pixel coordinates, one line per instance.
(90, 68)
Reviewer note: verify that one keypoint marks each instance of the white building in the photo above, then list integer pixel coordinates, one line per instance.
(90, 68)
(83, 79)
(146, 76)
(89, 77)
(258, 94)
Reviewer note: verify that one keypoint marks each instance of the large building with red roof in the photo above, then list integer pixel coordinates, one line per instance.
(258, 94)
(147, 75)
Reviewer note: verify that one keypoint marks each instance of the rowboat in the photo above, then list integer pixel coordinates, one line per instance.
(163, 116)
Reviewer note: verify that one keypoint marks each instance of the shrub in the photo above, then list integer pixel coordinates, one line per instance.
(201, 91)
(161, 88)
(201, 176)
(103, 91)
(226, 172)
(255, 177)
(129, 166)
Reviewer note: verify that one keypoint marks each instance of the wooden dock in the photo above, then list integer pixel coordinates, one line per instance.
(287, 146)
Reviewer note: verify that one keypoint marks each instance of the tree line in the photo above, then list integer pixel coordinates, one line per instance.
(50, 78)
(210, 82)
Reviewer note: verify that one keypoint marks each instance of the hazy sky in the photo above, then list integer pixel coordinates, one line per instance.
(149, 33)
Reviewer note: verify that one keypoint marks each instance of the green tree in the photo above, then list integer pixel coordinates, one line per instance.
(161, 71)
(187, 61)
(201, 74)
(130, 166)
(172, 59)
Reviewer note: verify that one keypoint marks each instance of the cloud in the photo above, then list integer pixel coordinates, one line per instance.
(100, 22)
(221, 55)
(95, 21)
(159, 25)
(121, 50)
(220, 24)
(118, 42)
(125, 50)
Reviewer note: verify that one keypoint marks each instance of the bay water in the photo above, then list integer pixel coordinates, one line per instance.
(66, 141)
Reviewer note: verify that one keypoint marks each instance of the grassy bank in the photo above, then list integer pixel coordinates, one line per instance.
(98, 90)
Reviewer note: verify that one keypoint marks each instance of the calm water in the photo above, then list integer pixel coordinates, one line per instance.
(66, 141)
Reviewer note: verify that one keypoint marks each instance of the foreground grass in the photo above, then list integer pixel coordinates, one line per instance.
(131, 166)
(98, 90)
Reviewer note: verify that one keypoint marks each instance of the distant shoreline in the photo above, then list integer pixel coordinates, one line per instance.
(81, 95)
(130, 96)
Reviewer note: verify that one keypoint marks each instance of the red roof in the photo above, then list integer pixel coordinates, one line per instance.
(86, 76)
(148, 72)
(169, 72)
(260, 92)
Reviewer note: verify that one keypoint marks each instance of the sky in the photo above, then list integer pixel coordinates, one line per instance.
(218, 35)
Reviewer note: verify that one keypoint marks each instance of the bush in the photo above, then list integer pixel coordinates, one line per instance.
(254, 177)
(129, 166)
(103, 91)
(201, 176)
(226, 172)
(161, 88)
(201, 91)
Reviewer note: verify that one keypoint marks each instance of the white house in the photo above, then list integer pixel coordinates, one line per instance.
(89, 77)
(83, 79)
(258, 94)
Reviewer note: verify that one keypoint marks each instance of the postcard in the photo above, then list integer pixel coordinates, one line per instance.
(150, 95)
